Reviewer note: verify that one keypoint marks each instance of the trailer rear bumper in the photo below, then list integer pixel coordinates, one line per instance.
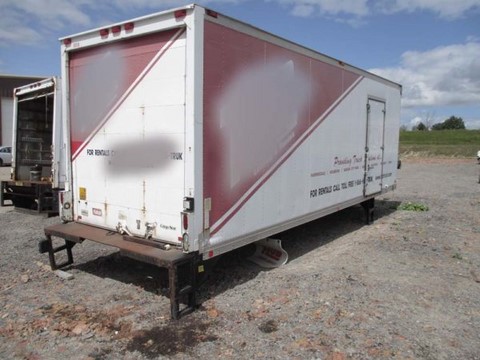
(181, 266)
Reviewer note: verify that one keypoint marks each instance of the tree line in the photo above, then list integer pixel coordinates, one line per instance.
(452, 123)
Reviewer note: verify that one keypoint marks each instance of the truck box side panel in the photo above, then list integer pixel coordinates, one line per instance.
(260, 99)
(128, 134)
(284, 136)
(324, 174)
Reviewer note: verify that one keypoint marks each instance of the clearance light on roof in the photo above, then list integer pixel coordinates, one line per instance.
(67, 42)
(180, 13)
(212, 13)
(104, 32)
(129, 26)
(116, 29)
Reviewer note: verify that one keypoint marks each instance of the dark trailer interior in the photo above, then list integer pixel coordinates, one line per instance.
(33, 156)
(30, 188)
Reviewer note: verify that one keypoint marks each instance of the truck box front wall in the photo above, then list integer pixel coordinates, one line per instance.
(127, 116)
(284, 135)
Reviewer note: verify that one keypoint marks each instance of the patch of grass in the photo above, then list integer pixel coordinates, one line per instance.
(457, 256)
(410, 206)
(445, 143)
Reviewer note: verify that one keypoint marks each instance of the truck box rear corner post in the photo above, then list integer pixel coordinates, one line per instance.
(194, 126)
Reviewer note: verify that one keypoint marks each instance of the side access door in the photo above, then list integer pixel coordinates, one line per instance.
(374, 149)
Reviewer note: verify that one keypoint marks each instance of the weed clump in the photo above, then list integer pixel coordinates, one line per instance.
(410, 206)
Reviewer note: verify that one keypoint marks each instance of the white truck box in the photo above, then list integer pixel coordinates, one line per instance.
(38, 150)
(193, 131)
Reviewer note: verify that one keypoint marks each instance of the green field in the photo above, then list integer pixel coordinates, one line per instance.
(444, 143)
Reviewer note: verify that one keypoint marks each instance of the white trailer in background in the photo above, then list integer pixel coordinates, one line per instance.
(192, 134)
(38, 150)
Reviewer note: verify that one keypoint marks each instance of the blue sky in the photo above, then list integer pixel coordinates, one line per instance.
(431, 47)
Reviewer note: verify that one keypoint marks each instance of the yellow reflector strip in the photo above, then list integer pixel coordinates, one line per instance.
(83, 193)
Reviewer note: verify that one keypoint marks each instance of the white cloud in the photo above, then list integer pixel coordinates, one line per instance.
(472, 123)
(326, 7)
(55, 13)
(473, 38)
(162, 4)
(303, 10)
(13, 31)
(415, 121)
(29, 21)
(447, 75)
(353, 11)
(446, 9)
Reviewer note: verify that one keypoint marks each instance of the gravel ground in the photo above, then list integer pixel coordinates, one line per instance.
(406, 287)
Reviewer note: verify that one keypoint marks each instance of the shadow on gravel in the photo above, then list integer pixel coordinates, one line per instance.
(232, 269)
(305, 238)
(126, 270)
